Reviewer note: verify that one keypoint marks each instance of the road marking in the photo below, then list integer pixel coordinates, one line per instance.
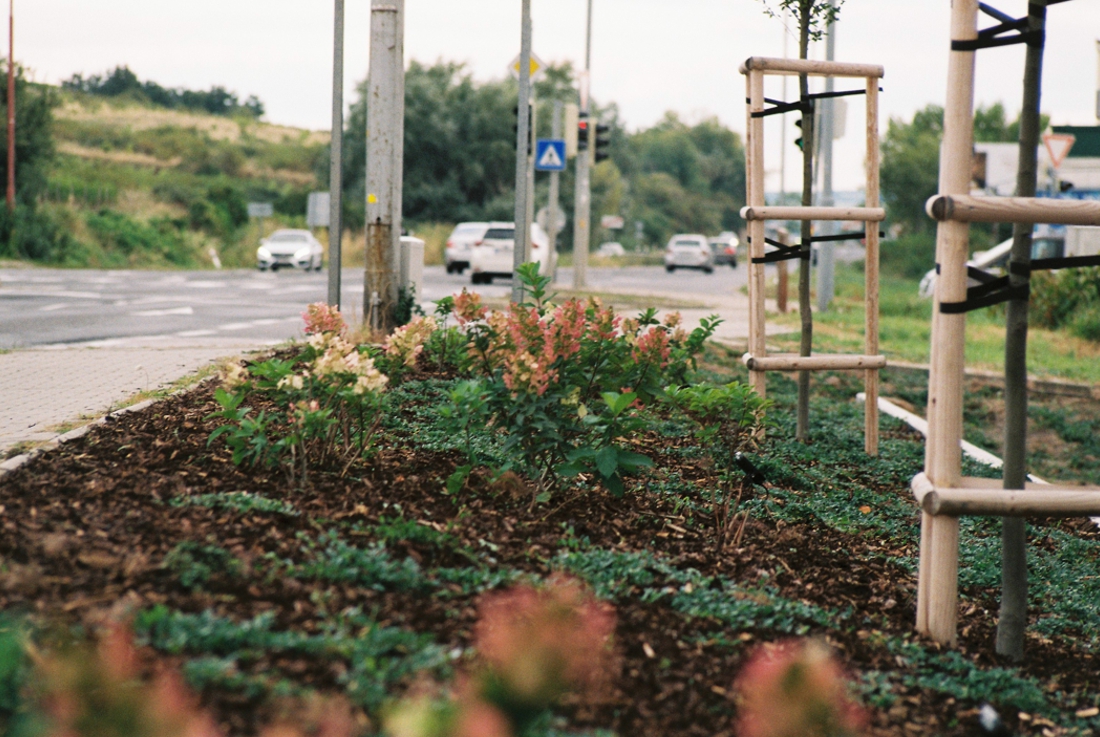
(165, 313)
(52, 308)
(270, 321)
(235, 326)
(195, 333)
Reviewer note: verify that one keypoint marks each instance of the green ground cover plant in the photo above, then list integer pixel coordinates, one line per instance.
(355, 557)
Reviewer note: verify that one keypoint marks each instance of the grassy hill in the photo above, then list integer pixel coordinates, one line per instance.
(140, 186)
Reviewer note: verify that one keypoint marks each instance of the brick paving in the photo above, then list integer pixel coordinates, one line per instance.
(41, 389)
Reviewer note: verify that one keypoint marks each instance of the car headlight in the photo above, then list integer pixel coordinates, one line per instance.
(301, 253)
(263, 253)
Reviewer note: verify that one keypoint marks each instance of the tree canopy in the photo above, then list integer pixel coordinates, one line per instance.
(460, 158)
(122, 82)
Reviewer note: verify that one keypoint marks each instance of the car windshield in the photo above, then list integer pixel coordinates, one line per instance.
(501, 234)
(288, 237)
(685, 244)
(468, 229)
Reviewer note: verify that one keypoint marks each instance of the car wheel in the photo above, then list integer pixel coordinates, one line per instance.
(475, 278)
(450, 269)
(460, 270)
(733, 264)
(274, 268)
(708, 269)
(670, 269)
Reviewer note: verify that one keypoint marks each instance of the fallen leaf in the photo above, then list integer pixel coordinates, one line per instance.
(865, 509)
(648, 651)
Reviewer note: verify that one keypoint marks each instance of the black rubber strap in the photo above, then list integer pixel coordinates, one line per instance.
(853, 236)
(783, 252)
(1022, 291)
(978, 275)
(1070, 262)
(842, 93)
(786, 107)
(1031, 38)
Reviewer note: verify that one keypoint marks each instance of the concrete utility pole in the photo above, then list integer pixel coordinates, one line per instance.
(11, 106)
(555, 185)
(582, 207)
(336, 162)
(825, 254)
(523, 113)
(385, 160)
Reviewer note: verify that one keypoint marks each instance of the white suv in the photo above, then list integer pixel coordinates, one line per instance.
(463, 238)
(493, 256)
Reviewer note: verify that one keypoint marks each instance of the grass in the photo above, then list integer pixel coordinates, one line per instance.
(905, 332)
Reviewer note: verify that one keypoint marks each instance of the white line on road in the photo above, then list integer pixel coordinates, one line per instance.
(196, 333)
(52, 308)
(165, 313)
(235, 326)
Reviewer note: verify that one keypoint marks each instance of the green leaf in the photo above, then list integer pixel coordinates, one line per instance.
(607, 461)
(630, 461)
(457, 480)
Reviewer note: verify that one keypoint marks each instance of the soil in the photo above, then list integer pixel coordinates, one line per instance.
(86, 528)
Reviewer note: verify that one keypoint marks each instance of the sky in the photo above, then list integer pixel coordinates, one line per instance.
(648, 56)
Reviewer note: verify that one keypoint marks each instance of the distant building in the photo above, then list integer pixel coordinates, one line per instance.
(994, 167)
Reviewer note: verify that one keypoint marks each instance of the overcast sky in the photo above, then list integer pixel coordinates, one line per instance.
(649, 56)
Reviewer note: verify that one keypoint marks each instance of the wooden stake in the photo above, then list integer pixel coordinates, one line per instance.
(779, 212)
(842, 362)
(871, 275)
(1026, 210)
(943, 456)
(810, 66)
(757, 343)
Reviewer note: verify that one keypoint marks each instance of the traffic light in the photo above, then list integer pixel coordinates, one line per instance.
(582, 132)
(798, 141)
(515, 127)
(603, 142)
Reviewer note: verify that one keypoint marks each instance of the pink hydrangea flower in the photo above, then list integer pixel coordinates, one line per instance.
(322, 318)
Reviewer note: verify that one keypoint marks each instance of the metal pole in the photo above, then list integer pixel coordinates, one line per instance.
(582, 208)
(523, 226)
(531, 172)
(336, 166)
(385, 156)
(825, 254)
(555, 186)
(11, 106)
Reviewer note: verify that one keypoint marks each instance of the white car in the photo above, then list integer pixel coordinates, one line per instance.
(611, 249)
(493, 256)
(464, 237)
(689, 251)
(296, 249)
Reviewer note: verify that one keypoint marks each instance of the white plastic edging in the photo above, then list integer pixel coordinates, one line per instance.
(920, 424)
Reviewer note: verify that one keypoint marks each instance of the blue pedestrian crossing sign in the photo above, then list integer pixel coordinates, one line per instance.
(550, 154)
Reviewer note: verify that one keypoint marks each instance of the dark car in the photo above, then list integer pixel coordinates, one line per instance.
(725, 249)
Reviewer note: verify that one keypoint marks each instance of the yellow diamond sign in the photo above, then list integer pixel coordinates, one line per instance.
(537, 66)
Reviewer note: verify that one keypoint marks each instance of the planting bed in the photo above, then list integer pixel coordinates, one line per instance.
(365, 583)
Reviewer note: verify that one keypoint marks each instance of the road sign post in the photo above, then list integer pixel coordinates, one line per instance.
(336, 167)
(555, 226)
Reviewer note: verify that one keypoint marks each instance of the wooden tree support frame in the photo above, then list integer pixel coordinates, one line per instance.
(943, 493)
(757, 212)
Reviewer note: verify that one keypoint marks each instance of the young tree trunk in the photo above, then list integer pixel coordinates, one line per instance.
(806, 344)
(1013, 614)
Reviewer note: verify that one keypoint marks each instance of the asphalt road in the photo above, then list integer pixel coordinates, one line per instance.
(68, 307)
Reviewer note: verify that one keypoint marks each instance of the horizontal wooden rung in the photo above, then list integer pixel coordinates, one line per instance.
(1026, 210)
(812, 67)
(786, 212)
(813, 363)
(986, 498)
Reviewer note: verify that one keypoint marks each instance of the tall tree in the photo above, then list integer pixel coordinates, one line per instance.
(814, 16)
(1013, 614)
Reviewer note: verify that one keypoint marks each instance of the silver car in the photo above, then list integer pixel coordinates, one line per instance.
(295, 249)
(689, 251)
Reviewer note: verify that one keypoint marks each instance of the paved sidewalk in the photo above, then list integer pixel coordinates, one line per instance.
(42, 388)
